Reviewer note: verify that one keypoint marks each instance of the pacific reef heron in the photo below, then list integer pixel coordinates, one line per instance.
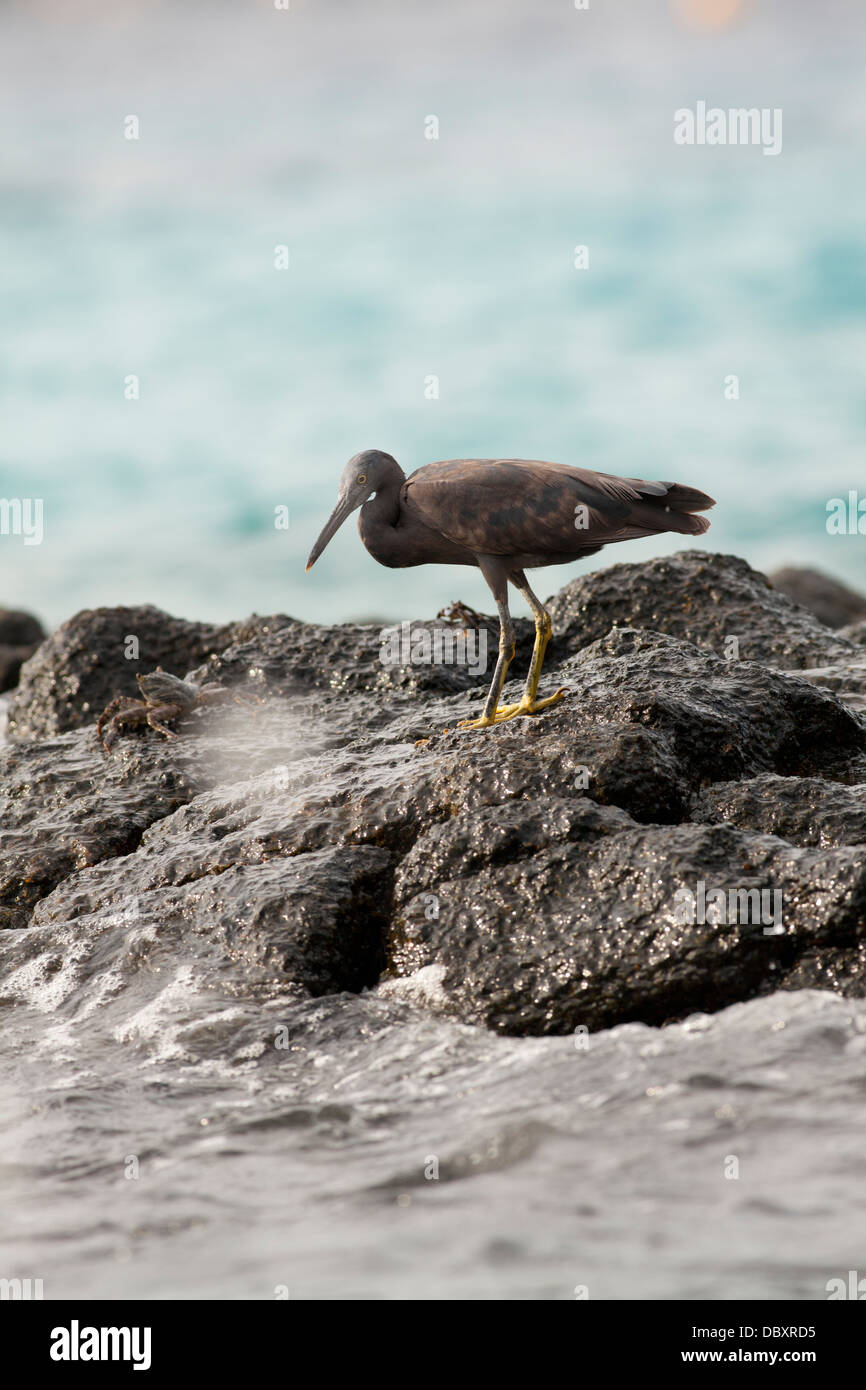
(505, 516)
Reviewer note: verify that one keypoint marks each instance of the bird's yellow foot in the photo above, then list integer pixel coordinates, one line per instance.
(511, 711)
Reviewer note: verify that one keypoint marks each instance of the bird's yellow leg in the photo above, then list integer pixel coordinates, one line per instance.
(530, 704)
(493, 712)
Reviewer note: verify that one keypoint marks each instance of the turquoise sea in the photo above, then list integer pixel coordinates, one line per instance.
(412, 258)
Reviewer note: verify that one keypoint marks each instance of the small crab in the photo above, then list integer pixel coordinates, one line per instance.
(165, 697)
(460, 613)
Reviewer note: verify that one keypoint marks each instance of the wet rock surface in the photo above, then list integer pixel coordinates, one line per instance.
(533, 878)
(711, 600)
(805, 811)
(586, 930)
(847, 678)
(62, 808)
(353, 658)
(855, 632)
(97, 654)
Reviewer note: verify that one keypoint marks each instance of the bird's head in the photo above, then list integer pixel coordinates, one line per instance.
(363, 475)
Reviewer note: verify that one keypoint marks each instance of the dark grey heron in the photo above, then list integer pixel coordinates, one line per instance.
(505, 516)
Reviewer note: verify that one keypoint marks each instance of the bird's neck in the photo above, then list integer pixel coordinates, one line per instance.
(377, 523)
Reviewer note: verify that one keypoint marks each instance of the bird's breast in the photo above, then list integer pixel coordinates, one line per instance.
(408, 541)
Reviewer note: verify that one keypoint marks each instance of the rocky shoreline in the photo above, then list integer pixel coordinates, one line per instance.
(339, 834)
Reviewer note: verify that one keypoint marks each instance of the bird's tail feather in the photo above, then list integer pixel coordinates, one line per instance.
(686, 523)
(688, 499)
(673, 512)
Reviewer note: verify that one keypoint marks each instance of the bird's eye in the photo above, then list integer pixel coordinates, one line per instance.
(362, 477)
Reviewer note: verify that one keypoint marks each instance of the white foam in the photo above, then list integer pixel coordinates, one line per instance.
(425, 987)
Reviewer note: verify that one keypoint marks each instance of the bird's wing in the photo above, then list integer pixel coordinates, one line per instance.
(527, 506)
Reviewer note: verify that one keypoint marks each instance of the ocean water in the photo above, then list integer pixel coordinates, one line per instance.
(154, 1143)
(412, 258)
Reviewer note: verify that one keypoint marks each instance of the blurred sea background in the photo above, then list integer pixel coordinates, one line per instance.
(410, 258)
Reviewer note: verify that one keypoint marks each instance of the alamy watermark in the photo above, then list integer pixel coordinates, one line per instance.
(853, 1288)
(20, 1290)
(77, 1343)
(22, 516)
(847, 517)
(737, 126)
(726, 907)
(444, 646)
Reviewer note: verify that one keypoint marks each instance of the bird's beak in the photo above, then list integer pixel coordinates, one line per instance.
(343, 509)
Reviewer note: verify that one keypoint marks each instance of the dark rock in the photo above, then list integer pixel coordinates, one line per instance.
(63, 806)
(648, 720)
(805, 811)
(316, 923)
(846, 678)
(348, 657)
(20, 635)
(577, 922)
(841, 969)
(833, 603)
(718, 714)
(342, 828)
(11, 661)
(19, 629)
(705, 599)
(83, 665)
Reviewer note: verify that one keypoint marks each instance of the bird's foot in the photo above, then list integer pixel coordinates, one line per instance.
(526, 706)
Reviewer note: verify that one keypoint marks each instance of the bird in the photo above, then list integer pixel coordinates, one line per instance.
(505, 516)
